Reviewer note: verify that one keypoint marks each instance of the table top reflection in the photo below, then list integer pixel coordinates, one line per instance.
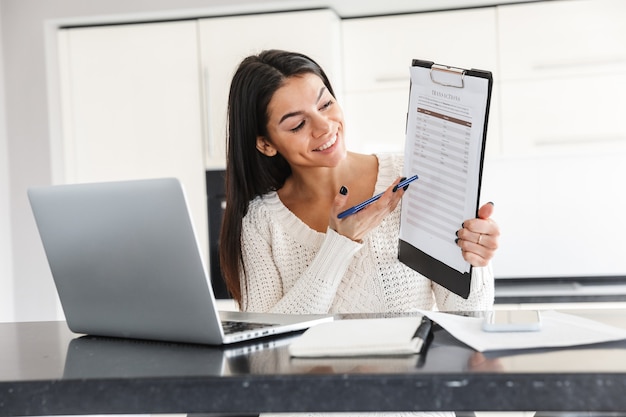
(45, 369)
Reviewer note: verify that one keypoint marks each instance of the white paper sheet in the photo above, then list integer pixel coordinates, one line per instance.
(445, 127)
(557, 330)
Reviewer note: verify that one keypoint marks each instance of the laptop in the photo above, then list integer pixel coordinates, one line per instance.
(126, 263)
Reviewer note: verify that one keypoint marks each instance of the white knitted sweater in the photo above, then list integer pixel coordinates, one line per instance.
(291, 268)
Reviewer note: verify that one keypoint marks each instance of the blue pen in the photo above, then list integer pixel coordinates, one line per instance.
(366, 203)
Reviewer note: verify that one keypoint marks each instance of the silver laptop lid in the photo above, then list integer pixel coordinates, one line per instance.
(125, 260)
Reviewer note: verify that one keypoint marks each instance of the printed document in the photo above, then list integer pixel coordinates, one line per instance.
(444, 146)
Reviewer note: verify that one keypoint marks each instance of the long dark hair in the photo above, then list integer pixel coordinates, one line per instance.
(249, 173)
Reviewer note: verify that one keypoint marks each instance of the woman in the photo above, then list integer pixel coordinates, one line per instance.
(288, 176)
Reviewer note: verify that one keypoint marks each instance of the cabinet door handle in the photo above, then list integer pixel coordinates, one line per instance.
(392, 79)
(209, 146)
(580, 140)
(579, 63)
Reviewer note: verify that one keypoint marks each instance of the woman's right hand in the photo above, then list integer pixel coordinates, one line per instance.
(356, 226)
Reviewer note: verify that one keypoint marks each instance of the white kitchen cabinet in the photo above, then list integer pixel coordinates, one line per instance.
(149, 99)
(556, 143)
(225, 41)
(378, 50)
(557, 116)
(131, 107)
(563, 71)
(560, 215)
(563, 100)
(377, 54)
(562, 39)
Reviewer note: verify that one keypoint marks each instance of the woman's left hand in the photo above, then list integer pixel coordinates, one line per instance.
(478, 238)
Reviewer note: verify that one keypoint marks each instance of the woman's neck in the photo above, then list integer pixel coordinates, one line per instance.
(310, 193)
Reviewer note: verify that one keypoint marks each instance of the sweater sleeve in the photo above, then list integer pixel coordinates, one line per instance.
(313, 292)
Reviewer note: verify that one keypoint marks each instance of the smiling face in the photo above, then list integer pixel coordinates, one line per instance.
(305, 124)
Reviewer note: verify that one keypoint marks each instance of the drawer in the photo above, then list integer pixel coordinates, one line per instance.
(570, 115)
(554, 39)
(378, 51)
(376, 120)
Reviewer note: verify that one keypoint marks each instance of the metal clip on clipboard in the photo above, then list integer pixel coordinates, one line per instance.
(447, 76)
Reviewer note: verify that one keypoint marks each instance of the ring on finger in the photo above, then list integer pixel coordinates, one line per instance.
(480, 235)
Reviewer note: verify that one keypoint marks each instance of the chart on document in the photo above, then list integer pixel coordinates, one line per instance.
(444, 143)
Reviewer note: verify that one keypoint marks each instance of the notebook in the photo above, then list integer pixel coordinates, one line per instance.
(364, 337)
(126, 263)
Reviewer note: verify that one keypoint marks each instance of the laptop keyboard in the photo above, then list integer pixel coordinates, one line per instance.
(242, 326)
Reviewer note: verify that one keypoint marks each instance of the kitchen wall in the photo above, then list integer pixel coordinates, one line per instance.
(6, 261)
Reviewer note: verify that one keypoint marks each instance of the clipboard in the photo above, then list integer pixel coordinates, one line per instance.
(445, 145)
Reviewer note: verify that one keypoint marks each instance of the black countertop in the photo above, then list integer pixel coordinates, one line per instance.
(46, 370)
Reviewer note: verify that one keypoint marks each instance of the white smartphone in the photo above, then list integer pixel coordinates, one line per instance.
(512, 321)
